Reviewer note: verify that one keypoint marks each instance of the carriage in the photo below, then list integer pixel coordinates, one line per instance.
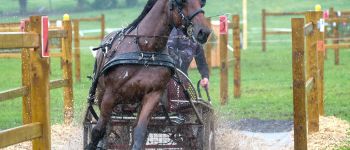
(183, 120)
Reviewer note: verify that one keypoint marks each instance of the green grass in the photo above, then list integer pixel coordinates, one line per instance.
(266, 77)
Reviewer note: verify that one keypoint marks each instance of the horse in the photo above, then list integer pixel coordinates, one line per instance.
(133, 65)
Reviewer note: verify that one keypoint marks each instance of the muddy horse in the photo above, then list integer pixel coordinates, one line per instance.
(133, 65)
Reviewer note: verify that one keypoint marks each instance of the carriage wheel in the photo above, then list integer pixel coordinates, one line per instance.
(209, 130)
(87, 128)
(209, 139)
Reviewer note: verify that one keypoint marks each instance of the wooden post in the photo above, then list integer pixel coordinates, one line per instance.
(299, 101)
(320, 60)
(333, 15)
(208, 47)
(224, 69)
(263, 42)
(39, 89)
(77, 50)
(103, 26)
(311, 65)
(237, 56)
(67, 72)
(26, 101)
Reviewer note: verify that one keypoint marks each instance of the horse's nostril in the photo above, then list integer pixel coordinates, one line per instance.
(202, 36)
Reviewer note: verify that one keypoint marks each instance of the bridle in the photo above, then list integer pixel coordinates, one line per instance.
(186, 21)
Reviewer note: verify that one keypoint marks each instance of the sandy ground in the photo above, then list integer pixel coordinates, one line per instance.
(230, 137)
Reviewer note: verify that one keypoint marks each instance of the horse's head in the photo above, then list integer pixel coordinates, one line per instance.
(189, 16)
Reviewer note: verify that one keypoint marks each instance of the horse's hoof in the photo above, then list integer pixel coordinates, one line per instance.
(90, 147)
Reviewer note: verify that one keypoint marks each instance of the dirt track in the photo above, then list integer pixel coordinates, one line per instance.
(230, 136)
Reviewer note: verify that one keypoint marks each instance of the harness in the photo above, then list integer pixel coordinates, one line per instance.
(143, 58)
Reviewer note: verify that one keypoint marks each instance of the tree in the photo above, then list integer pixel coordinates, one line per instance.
(22, 6)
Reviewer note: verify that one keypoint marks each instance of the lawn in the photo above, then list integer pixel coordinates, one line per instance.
(266, 77)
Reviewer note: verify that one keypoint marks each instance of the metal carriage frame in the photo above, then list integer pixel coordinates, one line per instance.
(186, 123)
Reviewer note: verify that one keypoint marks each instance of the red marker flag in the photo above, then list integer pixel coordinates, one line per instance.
(45, 36)
(223, 25)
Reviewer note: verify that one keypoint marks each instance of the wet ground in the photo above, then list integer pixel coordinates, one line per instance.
(246, 134)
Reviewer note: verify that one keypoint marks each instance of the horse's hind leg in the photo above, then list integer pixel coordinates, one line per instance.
(149, 102)
(99, 130)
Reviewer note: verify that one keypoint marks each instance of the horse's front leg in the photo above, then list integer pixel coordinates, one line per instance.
(99, 130)
(149, 103)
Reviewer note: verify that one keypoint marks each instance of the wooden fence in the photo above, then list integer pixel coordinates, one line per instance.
(332, 18)
(264, 15)
(77, 38)
(335, 38)
(15, 27)
(307, 76)
(36, 85)
(224, 65)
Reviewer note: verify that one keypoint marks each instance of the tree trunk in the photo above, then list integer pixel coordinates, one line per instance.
(22, 6)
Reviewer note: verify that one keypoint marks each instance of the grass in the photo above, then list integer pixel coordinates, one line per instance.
(266, 77)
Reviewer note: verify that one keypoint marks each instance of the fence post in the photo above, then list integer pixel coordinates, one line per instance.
(67, 72)
(103, 26)
(299, 101)
(77, 50)
(332, 14)
(26, 101)
(39, 89)
(208, 49)
(320, 68)
(311, 65)
(325, 37)
(237, 56)
(224, 67)
(263, 42)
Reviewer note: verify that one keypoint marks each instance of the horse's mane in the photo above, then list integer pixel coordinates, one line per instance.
(145, 11)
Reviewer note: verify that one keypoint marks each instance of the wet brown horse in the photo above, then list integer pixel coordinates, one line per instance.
(139, 83)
